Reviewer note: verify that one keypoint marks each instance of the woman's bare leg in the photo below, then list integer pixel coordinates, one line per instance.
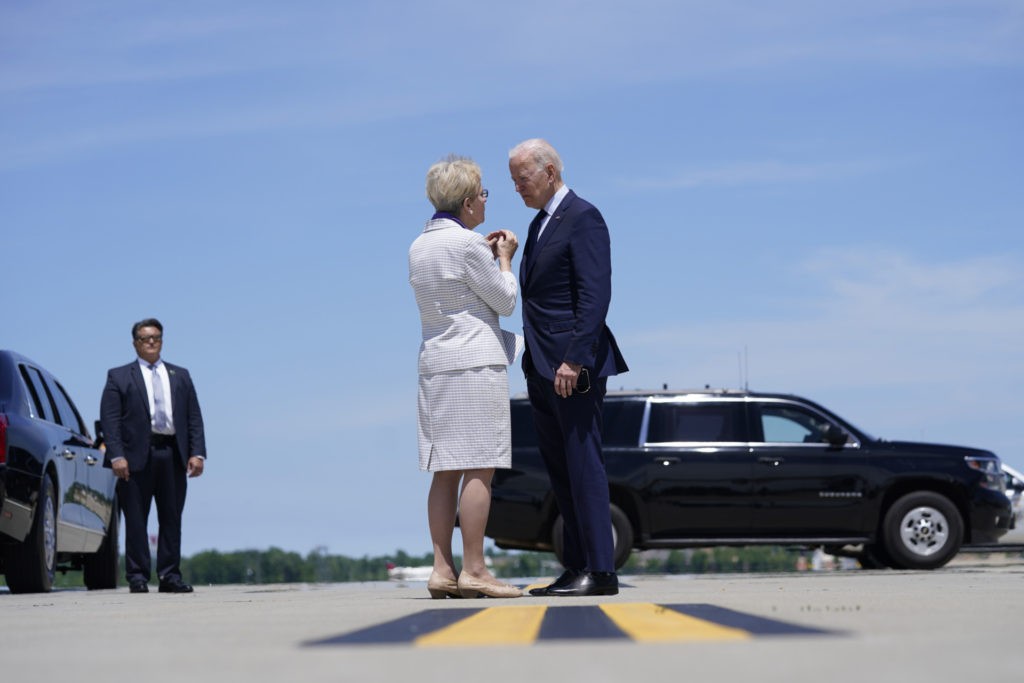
(474, 507)
(442, 504)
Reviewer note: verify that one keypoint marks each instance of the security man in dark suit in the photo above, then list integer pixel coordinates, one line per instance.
(565, 280)
(155, 441)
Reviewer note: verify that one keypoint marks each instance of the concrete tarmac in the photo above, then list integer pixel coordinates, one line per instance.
(960, 623)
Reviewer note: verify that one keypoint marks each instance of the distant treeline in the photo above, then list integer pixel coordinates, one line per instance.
(279, 566)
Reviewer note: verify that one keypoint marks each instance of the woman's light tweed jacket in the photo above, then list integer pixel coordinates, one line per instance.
(460, 293)
(463, 415)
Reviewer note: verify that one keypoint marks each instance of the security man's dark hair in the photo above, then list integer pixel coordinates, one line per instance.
(148, 322)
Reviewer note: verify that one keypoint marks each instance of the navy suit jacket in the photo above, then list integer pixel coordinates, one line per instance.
(566, 284)
(124, 413)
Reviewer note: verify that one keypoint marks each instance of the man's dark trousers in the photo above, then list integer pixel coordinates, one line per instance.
(569, 434)
(163, 479)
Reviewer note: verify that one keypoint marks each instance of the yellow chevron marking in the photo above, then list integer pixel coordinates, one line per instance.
(645, 621)
(492, 626)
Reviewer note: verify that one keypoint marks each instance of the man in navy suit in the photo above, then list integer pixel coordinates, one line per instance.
(153, 430)
(565, 280)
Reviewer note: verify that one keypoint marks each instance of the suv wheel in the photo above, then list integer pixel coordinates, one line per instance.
(31, 564)
(922, 530)
(622, 537)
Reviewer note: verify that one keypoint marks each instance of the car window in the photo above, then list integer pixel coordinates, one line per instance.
(701, 422)
(44, 408)
(792, 424)
(622, 421)
(69, 414)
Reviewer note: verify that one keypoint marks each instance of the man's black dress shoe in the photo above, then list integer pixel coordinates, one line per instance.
(174, 587)
(589, 583)
(567, 577)
(138, 587)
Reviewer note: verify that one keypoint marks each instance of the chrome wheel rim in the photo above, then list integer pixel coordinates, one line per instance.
(49, 535)
(924, 531)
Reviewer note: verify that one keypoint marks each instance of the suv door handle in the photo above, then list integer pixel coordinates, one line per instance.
(90, 460)
(771, 460)
(667, 460)
(68, 454)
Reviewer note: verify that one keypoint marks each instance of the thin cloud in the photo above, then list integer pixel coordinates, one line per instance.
(639, 42)
(116, 44)
(874, 319)
(862, 279)
(281, 66)
(225, 122)
(749, 173)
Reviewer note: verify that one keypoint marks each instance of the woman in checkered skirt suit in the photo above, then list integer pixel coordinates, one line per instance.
(463, 418)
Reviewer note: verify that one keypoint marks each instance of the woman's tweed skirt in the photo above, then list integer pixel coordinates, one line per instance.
(464, 420)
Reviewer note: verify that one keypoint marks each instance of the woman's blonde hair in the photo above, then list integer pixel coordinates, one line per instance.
(452, 180)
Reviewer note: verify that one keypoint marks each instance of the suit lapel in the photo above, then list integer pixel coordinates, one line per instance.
(554, 223)
(177, 395)
(135, 374)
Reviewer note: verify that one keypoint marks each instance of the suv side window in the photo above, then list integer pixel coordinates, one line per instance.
(622, 421)
(787, 423)
(704, 422)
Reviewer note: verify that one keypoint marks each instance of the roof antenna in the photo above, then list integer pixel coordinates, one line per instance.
(664, 386)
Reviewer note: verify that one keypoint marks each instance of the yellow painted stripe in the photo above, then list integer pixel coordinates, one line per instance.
(645, 621)
(492, 626)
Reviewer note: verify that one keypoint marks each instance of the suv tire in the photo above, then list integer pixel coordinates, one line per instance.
(622, 536)
(922, 530)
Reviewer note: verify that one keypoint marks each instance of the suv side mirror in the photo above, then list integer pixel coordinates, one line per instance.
(836, 436)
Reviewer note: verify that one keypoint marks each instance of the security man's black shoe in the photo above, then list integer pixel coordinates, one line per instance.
(589, 583)
(567, 577)
(175, 587)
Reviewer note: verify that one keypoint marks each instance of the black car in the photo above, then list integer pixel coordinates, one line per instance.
(723, 467)
(58, 509)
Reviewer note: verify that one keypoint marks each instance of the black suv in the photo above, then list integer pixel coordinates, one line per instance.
(723, 467)
(58, 508)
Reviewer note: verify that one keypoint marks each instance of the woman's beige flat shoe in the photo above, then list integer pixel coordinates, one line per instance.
(474, 588)
(441, 588)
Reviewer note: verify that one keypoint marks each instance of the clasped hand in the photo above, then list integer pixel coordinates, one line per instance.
(503, 243)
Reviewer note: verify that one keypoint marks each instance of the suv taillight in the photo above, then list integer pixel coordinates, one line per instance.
(3, 438)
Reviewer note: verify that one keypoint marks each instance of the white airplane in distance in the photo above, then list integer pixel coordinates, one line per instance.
(396, 573)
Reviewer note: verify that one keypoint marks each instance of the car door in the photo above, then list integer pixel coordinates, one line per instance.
(803, 485)
(64, 455)
(698, 468)
(93, 488)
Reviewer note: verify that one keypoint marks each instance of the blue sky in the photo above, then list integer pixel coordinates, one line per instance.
(828, 194)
